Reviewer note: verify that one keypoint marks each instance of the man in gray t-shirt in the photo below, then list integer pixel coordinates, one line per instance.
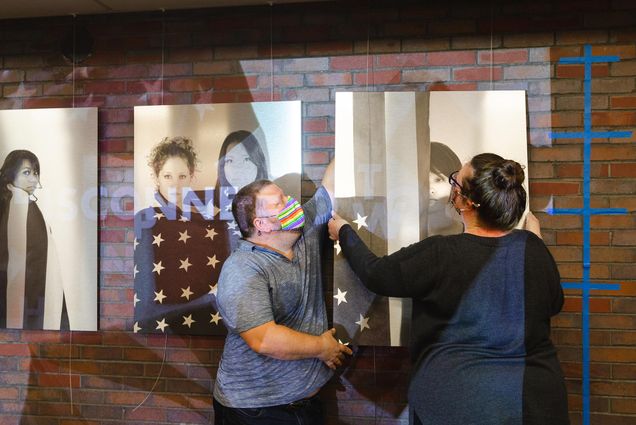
(278, 352)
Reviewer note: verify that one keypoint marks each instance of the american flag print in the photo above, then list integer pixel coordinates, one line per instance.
(178, 259)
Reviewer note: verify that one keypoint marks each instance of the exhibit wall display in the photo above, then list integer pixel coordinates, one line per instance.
(190, 160)
(48, 219)
(395, 151)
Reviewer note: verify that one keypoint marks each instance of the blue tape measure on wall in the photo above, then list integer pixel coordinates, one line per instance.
(587, 211)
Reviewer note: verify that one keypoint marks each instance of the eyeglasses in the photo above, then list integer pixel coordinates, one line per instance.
(452, 179)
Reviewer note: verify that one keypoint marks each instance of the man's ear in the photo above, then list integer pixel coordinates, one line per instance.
(261, 225)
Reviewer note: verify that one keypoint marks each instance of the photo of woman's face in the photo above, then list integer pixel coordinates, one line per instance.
(27, 178)
(238, 167)
(439, 187)
(173, 177)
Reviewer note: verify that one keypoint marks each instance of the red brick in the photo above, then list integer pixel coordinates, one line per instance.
(377, 77)
(478, 74)
(553, 188)
(315, 157)
(320, 142)
(576, 170)
(613, 153)
(51, 102)
(329, 79)
(55, 380)
(350, 63)
(576, 238)
(597, 305)
(624, 52)
(504, 57)
(13, 76)
(453, 58)
(401, 60)
(578, 71)
(623, 101)
(315, 125)
(425, 75)
(14, 350)
(614, 118)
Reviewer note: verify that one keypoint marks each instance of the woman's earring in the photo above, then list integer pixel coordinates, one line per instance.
(258, 233)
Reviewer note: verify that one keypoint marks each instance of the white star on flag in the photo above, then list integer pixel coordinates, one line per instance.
(363, 322)
(136, 327)
(211, 210)
(135, 300)
(340, 296)
(215, 318)
(161, 324)
(135, 243)
(186, 292)
(338, 248)
(135, 271)
(212, 261)
(188, 321)
(212, 289)
(210, 233)
(183, 236)
(184, 218)
(157, 240)
(361, 221)
(231, 225)
(343, 343)
(185, 264)
(158, 216)
(157, 267)
(159, 296)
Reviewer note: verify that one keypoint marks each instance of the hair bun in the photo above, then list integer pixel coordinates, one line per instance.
(508, 175)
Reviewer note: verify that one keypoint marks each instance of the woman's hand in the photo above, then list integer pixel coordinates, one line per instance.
(532, 224)
(334, 225)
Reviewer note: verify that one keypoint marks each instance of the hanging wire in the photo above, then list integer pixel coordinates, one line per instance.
(492, 7)
(163, 48)
(271, 49)
(163, 362)
(73, 60)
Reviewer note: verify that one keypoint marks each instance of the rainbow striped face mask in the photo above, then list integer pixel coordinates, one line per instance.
(292, 217)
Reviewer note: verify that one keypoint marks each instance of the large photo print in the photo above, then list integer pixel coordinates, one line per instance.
(48, 219)
(190, 160)
(395, 153)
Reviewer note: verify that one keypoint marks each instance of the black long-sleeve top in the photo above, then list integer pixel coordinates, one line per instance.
(480, 331)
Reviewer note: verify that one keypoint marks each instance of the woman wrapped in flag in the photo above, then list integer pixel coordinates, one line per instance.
(30, 278)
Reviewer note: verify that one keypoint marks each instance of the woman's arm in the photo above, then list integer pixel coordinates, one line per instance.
(405, 273)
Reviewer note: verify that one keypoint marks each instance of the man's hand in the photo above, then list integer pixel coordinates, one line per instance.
(532, 224)
(335, 224)
(333, 352)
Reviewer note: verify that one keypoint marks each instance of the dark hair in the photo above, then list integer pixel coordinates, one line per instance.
(497, 187)
(11, 168)
(254, 151)
(443, 160)
(170, 147)
(244, 206)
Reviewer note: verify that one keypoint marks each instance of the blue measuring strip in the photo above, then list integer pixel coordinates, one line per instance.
(587, 135)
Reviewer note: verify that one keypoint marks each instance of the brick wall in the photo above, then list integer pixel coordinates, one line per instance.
(225, 55)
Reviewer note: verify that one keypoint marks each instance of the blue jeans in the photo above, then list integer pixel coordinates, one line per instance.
(303, 412)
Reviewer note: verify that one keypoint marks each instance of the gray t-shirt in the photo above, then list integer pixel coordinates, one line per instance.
(257, 286)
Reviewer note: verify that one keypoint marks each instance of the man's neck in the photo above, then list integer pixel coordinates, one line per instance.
(281, 243)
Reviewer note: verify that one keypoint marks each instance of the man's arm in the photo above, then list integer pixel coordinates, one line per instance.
(328, 179)
(283, 343)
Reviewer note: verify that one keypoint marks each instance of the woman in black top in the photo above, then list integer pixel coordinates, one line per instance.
(482, 302)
